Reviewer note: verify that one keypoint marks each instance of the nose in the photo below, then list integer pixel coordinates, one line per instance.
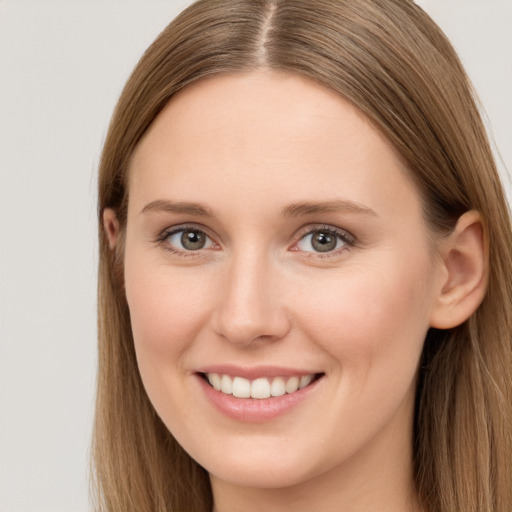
(250, 307)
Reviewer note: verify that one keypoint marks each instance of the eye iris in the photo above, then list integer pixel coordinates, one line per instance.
(323, 241)
(193, 240)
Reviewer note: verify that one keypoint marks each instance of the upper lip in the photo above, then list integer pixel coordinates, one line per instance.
(254, 372)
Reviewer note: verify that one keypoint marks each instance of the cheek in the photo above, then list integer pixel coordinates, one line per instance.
(374, 318)
(372, 325)
(167, 311)
(166, 307)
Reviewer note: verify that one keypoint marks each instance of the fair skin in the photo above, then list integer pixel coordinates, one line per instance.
(273, 231)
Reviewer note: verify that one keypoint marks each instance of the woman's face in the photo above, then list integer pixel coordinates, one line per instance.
(273, 238)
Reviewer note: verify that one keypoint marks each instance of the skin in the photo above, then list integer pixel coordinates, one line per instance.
(246, 147)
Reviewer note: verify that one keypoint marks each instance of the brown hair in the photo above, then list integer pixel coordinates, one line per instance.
(392, 62)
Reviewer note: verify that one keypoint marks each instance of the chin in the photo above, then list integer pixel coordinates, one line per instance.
(262, 467)
(264, 476)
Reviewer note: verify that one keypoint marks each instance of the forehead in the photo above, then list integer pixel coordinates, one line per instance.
(279, 135)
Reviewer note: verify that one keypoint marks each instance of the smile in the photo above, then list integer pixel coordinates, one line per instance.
(260, 388)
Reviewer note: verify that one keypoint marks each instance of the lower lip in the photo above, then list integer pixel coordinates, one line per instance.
(254, 410)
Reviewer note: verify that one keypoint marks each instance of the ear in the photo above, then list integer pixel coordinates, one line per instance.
(111, 227)
(464, 270)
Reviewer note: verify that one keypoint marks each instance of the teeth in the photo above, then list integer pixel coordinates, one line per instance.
(305, 380)
(292, 384)
(241, 387)
(215, 380)
(259, 388)
(226, 385)
(278, 387)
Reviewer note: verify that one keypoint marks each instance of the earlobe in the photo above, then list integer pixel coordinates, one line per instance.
(465, 269)
(111, 227)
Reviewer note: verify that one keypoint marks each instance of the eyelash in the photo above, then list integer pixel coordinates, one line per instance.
(346, 238)
(161, 240)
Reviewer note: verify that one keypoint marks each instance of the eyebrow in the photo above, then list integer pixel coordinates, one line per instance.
(162, 205)
(290, 211)
(299, 209)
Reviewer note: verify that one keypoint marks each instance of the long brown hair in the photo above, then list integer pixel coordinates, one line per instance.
(392, 62)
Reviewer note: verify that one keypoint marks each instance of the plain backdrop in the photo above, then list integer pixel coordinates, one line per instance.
(62, 67)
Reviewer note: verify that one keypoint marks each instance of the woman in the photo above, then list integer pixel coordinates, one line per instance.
(304, 281)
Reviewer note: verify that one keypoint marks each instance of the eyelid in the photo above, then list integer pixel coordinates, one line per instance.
(348, 238)
(169, 231)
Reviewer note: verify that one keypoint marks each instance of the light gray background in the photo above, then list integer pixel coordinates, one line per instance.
(62, 67)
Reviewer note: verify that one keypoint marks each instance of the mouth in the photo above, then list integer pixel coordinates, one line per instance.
(260, 388)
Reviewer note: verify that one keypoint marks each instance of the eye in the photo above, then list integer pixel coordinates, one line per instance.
(188, 239)
(324, 240)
